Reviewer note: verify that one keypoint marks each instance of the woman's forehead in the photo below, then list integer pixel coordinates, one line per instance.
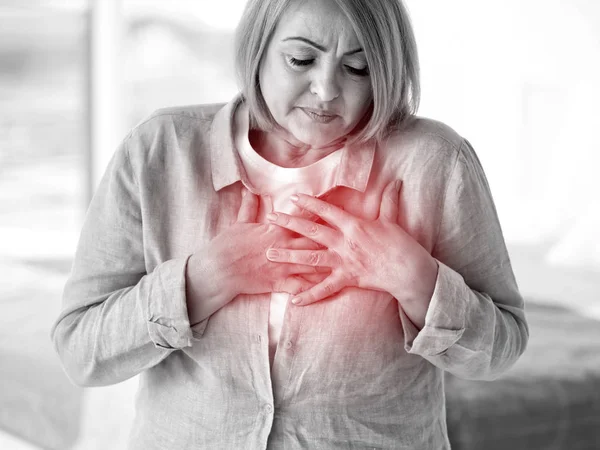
(320, 21)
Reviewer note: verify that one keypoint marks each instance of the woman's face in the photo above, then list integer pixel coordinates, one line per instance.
(314, 75)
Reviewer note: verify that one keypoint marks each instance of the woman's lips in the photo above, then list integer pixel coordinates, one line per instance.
(319, 116)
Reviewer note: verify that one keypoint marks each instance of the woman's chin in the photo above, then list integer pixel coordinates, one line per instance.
(319, 140)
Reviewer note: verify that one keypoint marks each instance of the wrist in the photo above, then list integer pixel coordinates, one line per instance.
(415, 298)
(206, 286)
(425, 280)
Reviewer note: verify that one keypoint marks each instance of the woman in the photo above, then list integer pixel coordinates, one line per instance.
(318, 183)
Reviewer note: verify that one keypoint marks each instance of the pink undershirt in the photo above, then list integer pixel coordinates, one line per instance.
(276, 184)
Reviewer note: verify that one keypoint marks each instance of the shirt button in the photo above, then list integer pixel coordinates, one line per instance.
(288, 344)
(269, 409)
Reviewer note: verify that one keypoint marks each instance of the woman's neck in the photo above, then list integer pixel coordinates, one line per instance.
(278, 150)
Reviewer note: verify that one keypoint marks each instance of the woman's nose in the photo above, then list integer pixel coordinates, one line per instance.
(325, 85)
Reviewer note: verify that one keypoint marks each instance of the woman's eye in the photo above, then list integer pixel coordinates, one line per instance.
(300, 62)
(359, 72)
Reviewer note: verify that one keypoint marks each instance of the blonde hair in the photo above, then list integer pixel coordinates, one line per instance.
(385, 32)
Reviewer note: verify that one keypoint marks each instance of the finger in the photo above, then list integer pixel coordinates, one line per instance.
(322, 258)
(329, 213)
(301, 269)
(315, 278)
(248, 208)
(293, 285)
(305, 214)
(326, 288)
(302, 243)
(319, 233)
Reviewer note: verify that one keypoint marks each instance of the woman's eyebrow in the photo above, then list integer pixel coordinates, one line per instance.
(318, 46)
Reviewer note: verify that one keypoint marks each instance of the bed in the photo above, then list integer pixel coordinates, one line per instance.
(549, 400)
(38, 404)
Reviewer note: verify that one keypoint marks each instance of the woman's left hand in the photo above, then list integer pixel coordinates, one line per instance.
(377, 254)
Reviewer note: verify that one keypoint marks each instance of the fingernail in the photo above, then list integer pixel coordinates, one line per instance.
(272, 217)
(296, 300)
(294, 198)
(272, 253)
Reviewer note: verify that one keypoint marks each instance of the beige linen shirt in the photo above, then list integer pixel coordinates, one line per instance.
(350, 372)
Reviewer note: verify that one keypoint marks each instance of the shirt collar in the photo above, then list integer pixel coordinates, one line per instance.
(354, 170)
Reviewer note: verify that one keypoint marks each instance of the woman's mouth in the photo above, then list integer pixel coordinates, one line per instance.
(319, 116)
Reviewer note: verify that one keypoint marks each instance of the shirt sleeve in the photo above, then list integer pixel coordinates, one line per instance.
(475, 326)
(118, 320)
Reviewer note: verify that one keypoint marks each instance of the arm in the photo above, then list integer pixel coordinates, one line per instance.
(475, 325)
(117, 320)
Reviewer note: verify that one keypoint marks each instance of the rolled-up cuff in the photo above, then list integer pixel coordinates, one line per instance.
(166, 311)
(445, 317)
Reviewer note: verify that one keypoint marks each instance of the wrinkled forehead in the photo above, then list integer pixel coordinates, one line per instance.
(321, 21)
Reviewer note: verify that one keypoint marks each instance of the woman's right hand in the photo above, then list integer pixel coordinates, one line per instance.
(234, 263)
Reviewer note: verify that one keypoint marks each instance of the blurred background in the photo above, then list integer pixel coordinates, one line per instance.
(518, 78)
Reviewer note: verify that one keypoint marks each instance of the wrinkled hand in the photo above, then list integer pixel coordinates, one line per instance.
(377, 254)
(238, 254)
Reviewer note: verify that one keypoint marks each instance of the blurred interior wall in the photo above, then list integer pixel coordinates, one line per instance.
(105, 100)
